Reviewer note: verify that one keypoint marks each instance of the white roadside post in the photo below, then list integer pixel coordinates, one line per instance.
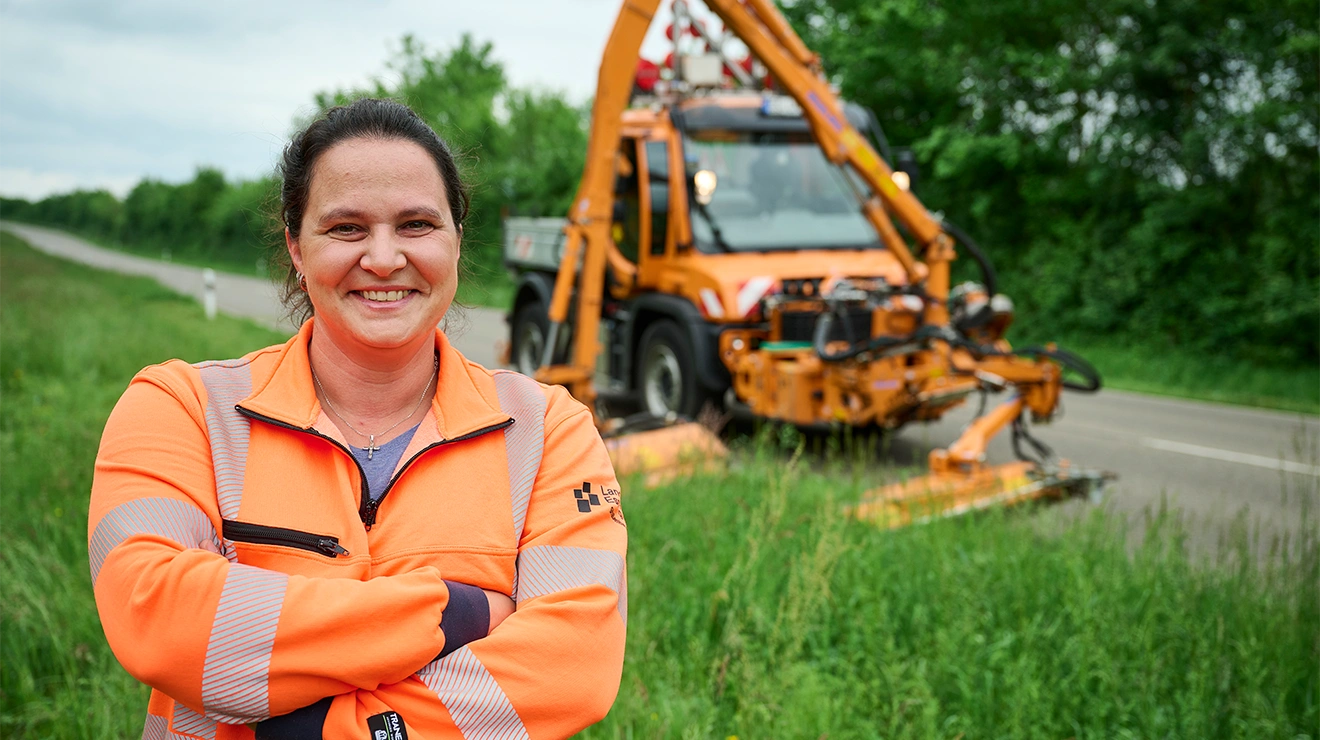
(208, 292)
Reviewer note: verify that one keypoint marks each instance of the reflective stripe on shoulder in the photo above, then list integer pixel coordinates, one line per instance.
(236, 676)
(548, 569)
(227, 383)
(524, 440)
(178, 521)
(479, 707)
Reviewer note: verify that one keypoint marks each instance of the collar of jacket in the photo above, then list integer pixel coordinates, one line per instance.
(465, 399)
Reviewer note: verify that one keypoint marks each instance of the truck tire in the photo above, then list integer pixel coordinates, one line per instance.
(667, 372)
(527, 335)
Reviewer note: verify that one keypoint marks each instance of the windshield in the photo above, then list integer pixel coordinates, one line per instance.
(773, 191)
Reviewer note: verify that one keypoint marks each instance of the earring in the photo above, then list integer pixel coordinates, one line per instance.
(302, 281)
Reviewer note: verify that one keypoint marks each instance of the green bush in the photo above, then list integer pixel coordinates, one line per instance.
(1136, 170)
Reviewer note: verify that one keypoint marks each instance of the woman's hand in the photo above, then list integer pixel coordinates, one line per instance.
(501, 607)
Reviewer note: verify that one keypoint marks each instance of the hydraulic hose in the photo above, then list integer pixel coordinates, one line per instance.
(1043, 454)
(988, 277)
(825, 322)
(1090, 382)
(1090, 375)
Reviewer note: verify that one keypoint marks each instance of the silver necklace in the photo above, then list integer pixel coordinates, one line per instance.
(371, 448)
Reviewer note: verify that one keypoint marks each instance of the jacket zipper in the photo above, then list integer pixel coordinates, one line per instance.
(362, 474)
(368, 510)
(367, 507)
(260, 534)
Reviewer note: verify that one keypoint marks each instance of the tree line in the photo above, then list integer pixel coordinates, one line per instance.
(1138, 170)
(521, 151)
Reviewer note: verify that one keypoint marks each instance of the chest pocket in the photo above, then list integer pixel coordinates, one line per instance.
(277, 548)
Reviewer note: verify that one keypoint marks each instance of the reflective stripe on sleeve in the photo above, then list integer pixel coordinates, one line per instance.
(177, 521)
(156, 728)
(547, 569)
(191, 723)
(475, 701)
(227, 383)
(235, 679)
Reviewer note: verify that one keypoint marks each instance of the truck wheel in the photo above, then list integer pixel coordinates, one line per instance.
(527, 336)
(667, 373)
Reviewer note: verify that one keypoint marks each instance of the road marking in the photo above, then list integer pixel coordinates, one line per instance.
(1243, 458)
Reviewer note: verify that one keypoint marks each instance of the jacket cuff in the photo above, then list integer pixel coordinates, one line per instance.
(300, 724)
(466, 618)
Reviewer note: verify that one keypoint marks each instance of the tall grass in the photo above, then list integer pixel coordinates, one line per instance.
(757, 609)
(72, 338)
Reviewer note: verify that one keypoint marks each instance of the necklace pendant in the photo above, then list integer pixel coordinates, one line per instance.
(371, 447)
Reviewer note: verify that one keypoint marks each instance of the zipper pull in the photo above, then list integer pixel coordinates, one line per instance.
(369, 513)
(330, 547)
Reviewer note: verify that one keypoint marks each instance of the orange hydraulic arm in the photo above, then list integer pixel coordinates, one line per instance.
(770, 38)
(590, 216)
(767, 34)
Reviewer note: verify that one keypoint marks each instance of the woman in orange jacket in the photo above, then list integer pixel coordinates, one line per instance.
(359, 534)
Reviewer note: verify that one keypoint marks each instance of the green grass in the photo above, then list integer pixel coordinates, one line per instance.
(757, 609)
(71, 339)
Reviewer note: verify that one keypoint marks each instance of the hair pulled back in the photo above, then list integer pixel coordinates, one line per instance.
(365, 118)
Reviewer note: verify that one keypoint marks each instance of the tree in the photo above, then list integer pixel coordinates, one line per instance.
(1147, 167)
(518, 150)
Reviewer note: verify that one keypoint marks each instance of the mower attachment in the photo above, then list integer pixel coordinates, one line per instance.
(960, 482)
(943, 495)
(663, 453)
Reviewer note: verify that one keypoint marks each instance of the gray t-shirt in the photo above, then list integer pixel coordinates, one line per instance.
(383, 462)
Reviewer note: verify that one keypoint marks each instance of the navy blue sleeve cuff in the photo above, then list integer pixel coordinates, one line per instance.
(466, 618)
(300, 724)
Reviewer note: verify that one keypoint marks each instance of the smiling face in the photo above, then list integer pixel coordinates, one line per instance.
(378, 245)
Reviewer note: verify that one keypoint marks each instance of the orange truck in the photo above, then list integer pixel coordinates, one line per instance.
(738, 241)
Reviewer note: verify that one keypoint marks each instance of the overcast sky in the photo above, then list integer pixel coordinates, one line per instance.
(101, 93)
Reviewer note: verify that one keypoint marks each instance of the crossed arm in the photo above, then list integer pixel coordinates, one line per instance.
(243, 644)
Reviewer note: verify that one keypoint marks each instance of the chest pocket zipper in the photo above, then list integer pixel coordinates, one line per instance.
(260, 534)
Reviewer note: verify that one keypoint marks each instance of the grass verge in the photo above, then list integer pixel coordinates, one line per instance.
(1143, 368)
(756, 608)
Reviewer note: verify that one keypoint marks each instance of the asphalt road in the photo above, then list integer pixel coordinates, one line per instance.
(1209, 460)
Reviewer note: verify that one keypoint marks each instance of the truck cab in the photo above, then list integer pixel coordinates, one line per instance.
(725, 207)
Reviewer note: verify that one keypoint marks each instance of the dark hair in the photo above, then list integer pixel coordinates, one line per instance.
(365, 118)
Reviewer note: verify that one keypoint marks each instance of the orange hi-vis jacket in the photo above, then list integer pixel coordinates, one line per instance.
(242, 571)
